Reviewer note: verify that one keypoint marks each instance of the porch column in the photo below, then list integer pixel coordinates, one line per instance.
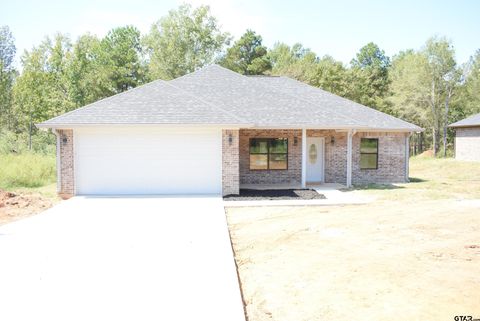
(304, 158)
(407, 156)
(349, 157)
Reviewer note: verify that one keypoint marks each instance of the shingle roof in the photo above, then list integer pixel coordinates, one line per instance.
(215, 95)
(157, 102)
(363, 115)
(473, 120)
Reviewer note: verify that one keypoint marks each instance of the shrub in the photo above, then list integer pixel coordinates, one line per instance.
(42, 142)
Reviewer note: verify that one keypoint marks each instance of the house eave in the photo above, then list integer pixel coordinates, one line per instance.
(341, 128)
(226, 126)
(463, 126)
(85, 125)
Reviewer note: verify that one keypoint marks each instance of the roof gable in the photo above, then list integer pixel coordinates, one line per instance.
(473, 120)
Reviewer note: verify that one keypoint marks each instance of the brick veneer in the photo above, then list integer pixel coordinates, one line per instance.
(292, 175)
(230, 162)
(236, 158)
(66, 188)
(391, 159)
(467, 144)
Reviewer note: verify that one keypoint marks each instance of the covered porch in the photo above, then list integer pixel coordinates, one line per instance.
(306, 157)
(294, 158)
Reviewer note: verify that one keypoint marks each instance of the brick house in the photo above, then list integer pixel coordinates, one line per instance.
(214, 131)
(467, 138)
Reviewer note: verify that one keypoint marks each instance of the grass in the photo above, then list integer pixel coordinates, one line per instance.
(432, 179)
(27, 171)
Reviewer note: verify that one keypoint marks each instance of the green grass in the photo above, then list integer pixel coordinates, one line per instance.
(433, 178)
(26, 170)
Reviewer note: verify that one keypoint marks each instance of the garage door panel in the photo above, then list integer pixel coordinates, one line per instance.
(148, 161)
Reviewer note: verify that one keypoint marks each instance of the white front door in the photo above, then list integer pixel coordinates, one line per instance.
(315, 147)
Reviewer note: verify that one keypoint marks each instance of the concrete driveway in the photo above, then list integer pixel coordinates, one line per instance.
(139, 258)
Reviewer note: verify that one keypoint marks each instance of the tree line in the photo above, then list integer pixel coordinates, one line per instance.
(425, 86)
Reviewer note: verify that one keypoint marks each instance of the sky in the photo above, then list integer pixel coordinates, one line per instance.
(335, 27)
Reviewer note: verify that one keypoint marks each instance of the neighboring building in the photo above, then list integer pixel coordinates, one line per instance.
(213, 131)
(467, 138)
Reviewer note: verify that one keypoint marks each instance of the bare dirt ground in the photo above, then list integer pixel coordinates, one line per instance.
(389, 260)
(18, 205)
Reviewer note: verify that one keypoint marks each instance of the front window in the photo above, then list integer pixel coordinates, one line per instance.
(268, 153)
(369, 153)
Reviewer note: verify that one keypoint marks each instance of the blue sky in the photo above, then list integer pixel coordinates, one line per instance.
(335, 27)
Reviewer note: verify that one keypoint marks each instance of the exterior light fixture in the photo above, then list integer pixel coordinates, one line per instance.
(295, 141)
(230, 139)
(332, 140)
(64, 139)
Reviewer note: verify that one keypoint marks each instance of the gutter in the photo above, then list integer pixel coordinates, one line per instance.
(231, 126)
(83, 125)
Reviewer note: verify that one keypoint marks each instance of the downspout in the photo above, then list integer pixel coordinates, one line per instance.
(57, 134)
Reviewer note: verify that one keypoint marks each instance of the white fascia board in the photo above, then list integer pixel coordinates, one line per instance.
(73, 126)
(341, 129)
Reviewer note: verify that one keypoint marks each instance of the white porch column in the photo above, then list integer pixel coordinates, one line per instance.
(304, 158)
(407, 157)
(349, 157)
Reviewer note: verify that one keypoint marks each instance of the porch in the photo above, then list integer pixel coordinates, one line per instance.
(300, 158)
(293, 158)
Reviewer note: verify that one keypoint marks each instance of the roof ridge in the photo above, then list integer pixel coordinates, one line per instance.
(208, 103)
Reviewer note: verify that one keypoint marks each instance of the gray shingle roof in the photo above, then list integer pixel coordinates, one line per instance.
(157, 102)
(473, 120)
(215, 95)
(364, 116)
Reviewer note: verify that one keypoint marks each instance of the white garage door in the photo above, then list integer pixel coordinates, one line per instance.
(147, 161)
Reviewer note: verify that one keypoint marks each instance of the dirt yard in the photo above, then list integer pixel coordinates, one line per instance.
(413, 254)
(17, 205)
(367, 262)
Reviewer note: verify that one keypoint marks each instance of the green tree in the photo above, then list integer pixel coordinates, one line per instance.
(42, 90)
(469, 96)
(121, 56)
(183, 41)
(296, 61)
(331, 75)
(423, 84)
(443, 77)
(369, 77)
(247, 55)
(7, 74)
(89, 78)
